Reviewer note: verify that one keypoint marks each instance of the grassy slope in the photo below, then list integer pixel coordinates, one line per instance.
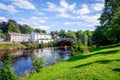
(101, 64)
(11, 46)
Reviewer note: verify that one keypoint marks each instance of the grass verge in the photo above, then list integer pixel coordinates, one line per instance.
(101, 64)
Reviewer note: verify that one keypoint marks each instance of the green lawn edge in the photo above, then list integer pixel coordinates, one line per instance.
(103, 63)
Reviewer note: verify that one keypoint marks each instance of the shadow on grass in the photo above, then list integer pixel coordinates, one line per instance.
(100, 61)
(116, 69)
(106, 47)
(80, 57)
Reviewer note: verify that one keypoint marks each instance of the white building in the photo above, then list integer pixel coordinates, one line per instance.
(40, 37)
(17, 37)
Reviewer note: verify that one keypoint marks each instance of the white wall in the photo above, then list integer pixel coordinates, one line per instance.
(40, 37)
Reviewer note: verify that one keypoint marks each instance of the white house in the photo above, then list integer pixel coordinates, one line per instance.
(17, 37)
(40, 37)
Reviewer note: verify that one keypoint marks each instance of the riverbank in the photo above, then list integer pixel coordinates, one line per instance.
(11, 46)
(24, 45)
(103, 63)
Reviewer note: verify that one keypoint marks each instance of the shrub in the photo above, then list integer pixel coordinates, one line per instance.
(79, 47)
(38, 63)
(6, 71)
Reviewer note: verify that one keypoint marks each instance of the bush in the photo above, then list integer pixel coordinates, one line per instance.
(38, 63)
(6, 71)
(79, 47)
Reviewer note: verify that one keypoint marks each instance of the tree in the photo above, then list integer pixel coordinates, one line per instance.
(79, 34)
(109, 31)
(13, 28)
(99, 36)
(1, 34)
(61, 33)
(88, 33)
(40, 31)
(26, 29)
(71, 34)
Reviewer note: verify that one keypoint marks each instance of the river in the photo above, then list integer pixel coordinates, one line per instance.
(23, 58)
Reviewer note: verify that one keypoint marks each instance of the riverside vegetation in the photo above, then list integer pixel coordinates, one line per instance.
(23, 45)
(102, 63)
(6, 72)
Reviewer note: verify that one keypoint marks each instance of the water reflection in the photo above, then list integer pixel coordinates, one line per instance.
(23, 60)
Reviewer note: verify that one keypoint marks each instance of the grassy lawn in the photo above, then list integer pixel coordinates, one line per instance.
(102, 63)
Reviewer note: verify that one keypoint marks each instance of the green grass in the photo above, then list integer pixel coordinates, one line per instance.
(11, 46)
(102, 63)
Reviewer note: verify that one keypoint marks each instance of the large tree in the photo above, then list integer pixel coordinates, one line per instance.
(13, 28)
(110, 23)
(26, 29)
(62, 33)
(71, 34)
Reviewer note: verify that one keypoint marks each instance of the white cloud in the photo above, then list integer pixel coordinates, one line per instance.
(43, 27)
(98, 6)
(40, 13)
(3, 19)
(9, 8)
(84, 10)
(64, 4)
(21, 22)
(37, 12)
(85, 21)
(23, 4)
(42, 21)
(102, 1)
(63, 8)
(64, 15)
(37, 20)
(66, 8)
(51, 7)
(34, 22)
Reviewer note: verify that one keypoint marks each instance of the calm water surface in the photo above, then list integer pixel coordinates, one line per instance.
(23, 60)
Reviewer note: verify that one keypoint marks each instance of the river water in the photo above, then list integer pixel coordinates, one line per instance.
(23, 58)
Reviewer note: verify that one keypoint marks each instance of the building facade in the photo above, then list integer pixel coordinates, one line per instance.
(40, 37)
(17, 37)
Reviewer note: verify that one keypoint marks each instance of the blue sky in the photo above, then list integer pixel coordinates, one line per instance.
(52, 15)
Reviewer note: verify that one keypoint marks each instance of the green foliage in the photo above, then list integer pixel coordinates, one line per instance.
(26, 29)
(103, 63)
(109, 31)
(38, 63)
(12, 46)
(76, 47)
(40, 31)
(13, 28)
(6, 71)
(71, 34)
(85, 39)
(61, 33)
(99, 36)
(30, 45)
(52, 44)
(88, 33)
(1, 34)
(80, 47)
(79, 34)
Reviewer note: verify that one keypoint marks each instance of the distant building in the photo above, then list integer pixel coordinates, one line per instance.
(17, 37)
(40, 37)
(54, 36)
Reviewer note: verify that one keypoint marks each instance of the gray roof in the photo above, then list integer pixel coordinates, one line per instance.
(19, 34)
